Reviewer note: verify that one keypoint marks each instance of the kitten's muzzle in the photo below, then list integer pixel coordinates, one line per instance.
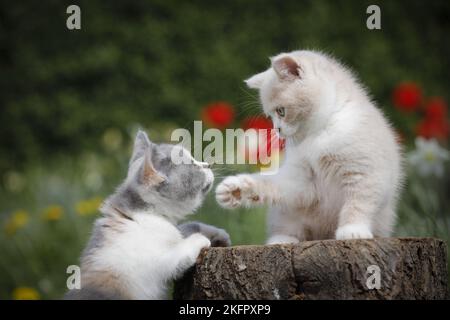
(206, 188)
(209, 179)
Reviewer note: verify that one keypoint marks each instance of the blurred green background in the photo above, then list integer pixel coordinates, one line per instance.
(71, 101)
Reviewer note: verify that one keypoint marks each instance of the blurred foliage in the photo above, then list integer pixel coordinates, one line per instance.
(70, 101)
(156, 61)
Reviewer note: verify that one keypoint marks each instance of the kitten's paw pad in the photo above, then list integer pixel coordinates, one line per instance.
(353, 231)
(236, 191)
(228, 193)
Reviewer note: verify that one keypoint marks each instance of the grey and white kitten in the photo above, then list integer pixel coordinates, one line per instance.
(342, 172)
(136, 249)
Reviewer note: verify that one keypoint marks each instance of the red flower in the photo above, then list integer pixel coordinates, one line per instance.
(436, 108)
(260, 122)
(431, 128)
(407, 96)
(257, 122)
(218, 114)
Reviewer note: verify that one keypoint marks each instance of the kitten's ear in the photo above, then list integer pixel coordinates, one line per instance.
(143, 147)
(286, 67)
(141, 144)
(148, 175)
(256, 81)
(142, 140)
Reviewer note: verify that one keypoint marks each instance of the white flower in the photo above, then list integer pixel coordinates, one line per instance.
(428, 157)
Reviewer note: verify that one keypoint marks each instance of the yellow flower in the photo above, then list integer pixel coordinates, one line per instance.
(53, 213)
(88, 207)
(16, 221)
(25, 293)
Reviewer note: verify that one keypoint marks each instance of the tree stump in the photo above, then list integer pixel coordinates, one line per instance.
(384, 268)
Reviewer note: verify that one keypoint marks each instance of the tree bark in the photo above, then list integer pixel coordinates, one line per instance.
(409, 268)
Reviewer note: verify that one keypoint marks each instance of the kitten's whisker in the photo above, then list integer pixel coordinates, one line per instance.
(249, 93)
(246, 111)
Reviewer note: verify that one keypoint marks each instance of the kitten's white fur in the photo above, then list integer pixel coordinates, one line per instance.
(148, 254)
(342, 171)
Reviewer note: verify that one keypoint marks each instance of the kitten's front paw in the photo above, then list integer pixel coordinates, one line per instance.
(236, 191)
(220, 238)
(353, 231)
(199, 241)
(191, 249)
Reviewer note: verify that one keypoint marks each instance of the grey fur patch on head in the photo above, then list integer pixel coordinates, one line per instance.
(155, 183)
(184, 181)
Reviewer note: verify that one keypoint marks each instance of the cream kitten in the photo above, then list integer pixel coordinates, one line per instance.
(135, 248)
(342, 173)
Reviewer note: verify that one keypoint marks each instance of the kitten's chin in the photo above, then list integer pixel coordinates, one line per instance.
(285, 134)
(206, 188)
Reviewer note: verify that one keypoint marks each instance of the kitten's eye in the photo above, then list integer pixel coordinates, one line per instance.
(280, 111)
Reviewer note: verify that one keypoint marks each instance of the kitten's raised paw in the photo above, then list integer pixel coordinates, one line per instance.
(353, 231)
(236, 191)
(229, 193)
